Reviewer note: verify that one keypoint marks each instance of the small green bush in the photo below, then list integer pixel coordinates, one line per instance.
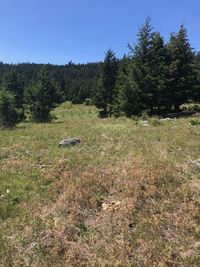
(66, 105)
(102, 114)
(195, 122)
(89, 102)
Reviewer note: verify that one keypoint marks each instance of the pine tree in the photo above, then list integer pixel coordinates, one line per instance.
(181, 75)
(13, 81)
(158, 66)
(105, 92)
(136, 89)
(41, 98)
(196, 92)
(9, 115)
(125, 92)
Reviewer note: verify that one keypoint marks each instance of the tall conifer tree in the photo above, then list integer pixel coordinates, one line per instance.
(105, 92)
(181, 75)
(41, 97)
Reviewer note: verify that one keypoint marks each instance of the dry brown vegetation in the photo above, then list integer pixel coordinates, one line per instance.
(128, 195)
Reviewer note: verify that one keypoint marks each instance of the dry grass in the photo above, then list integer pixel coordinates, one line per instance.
(128, 195)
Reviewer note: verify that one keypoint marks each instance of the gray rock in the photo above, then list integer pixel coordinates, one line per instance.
(69, 142)
(145, 123)
(166, 119)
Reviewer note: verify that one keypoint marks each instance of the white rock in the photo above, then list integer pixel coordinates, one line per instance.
(166, 119)
(69, 142)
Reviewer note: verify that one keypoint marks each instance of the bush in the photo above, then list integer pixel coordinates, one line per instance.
(195, 122)
(9, 115)
(68, 104)
(102, 114)
(89, 102)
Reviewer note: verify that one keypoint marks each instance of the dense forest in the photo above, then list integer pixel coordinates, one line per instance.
(75, 82)
(36, 89)
(154, 77)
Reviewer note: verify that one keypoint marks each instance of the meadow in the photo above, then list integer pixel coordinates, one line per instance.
(128, 195)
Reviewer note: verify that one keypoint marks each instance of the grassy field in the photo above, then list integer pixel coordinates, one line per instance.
(128, 195)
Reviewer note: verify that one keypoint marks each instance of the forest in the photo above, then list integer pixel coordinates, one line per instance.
(154, 77)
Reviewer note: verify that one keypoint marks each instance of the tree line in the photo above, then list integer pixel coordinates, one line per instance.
(154, 77)
(36, 89)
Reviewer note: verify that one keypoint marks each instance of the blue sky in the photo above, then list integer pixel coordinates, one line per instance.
(57, 31)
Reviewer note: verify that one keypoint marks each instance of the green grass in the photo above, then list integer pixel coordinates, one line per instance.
(51, 198)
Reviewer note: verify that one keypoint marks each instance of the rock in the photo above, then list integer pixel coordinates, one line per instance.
(145, 123)
(166, 119)
(69, 142)
(43, 166)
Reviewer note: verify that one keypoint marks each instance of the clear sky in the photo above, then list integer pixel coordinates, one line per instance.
(57, 31)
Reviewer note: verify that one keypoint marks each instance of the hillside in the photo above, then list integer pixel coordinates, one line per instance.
(128, 195)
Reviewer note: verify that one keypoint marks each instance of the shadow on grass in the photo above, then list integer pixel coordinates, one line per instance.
(182, 114)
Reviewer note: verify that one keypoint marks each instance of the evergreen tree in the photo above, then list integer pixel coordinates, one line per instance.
(125, 96)
(158, 67)
(142, 65)
(13, 82)
(136, 89)
(105, 92)
(129, 99)
(196, 92)
(181, 73)
(41, 98)
(9, 116)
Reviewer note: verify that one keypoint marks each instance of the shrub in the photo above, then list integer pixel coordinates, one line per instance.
(195, 122)
(102, 114)
(89, 102)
